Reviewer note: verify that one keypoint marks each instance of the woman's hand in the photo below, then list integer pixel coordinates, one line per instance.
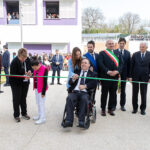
(75, 77)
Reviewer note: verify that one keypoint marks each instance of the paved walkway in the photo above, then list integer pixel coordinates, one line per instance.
(125, 131)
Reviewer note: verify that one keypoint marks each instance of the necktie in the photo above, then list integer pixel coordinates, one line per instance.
(82, 79)
(121, 51)
(92, 55)
(142, 56)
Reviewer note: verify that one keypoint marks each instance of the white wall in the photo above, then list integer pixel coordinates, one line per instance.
(43, 34)
(61, 47)
(134, 46)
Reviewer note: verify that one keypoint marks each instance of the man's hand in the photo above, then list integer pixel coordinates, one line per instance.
(130, 79)
(91, 68)
(82, 87)
(29, 73)
(149, 81)
(75, 77)
(110, 73)
(57, 63)
(115, 73)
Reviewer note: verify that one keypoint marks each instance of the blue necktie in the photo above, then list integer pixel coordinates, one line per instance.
(142, 56)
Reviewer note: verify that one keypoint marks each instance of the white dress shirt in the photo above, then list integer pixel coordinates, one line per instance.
(122, 51)
(78, 84)
(93, 55)
(143, 53)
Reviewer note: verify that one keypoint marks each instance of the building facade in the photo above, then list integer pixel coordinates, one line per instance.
(47, 25)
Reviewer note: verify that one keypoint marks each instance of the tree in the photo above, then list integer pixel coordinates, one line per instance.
(128, 23)
(92, 18)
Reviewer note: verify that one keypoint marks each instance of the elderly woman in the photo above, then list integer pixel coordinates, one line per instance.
(20, 66)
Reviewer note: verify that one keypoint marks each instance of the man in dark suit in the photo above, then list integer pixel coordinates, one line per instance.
(125, 71)
(140, 71)
(57, 64)
(110, 63)
(6, 63)
(79, 88)
(93, 58)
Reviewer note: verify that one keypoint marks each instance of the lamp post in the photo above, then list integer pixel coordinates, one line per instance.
(20, 21)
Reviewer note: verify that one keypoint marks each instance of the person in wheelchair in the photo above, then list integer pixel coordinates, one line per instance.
(79, 96)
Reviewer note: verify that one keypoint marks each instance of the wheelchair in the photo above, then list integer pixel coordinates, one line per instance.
(91, 110)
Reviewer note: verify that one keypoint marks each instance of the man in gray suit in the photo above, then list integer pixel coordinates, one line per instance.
(6, 63)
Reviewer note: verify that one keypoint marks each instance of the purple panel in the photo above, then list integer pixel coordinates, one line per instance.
(3, 21)
(38, 48)
(66, 21)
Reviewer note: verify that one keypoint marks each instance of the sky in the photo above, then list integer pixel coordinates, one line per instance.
(113, 9)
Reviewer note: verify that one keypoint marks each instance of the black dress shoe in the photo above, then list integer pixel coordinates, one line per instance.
(81, 124)
(59, 83)
(134, 111)
(26, 117)
(52, 84)
(66, 124)
(103, 113)
(143, 112)
(17, 119)
(123, 108)
(111, 112)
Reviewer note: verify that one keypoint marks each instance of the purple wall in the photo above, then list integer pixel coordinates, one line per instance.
(71, 21)
(38, 48)
(67, 21)
(3, 21)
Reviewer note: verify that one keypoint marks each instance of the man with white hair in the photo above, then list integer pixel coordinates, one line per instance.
(140, 72)
(110, 63)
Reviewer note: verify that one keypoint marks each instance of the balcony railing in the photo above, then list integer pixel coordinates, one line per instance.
(13, 21)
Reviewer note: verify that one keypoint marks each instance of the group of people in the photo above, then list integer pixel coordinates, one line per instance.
(109, 65)
(13, 15)
(27, 67)
(52, 16)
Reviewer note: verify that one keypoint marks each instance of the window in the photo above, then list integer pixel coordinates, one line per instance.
(52, 10)
(12, 8)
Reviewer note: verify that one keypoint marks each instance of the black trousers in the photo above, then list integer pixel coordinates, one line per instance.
(122, 95)
(143, 91)
(19, 93)
(58, 74)
(111, 88)
(80, 100)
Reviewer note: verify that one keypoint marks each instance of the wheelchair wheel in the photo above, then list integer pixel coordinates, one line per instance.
(87, 123)
(93, 119)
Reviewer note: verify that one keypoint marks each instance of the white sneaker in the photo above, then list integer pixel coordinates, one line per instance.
(40, 121)
(36, 118)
